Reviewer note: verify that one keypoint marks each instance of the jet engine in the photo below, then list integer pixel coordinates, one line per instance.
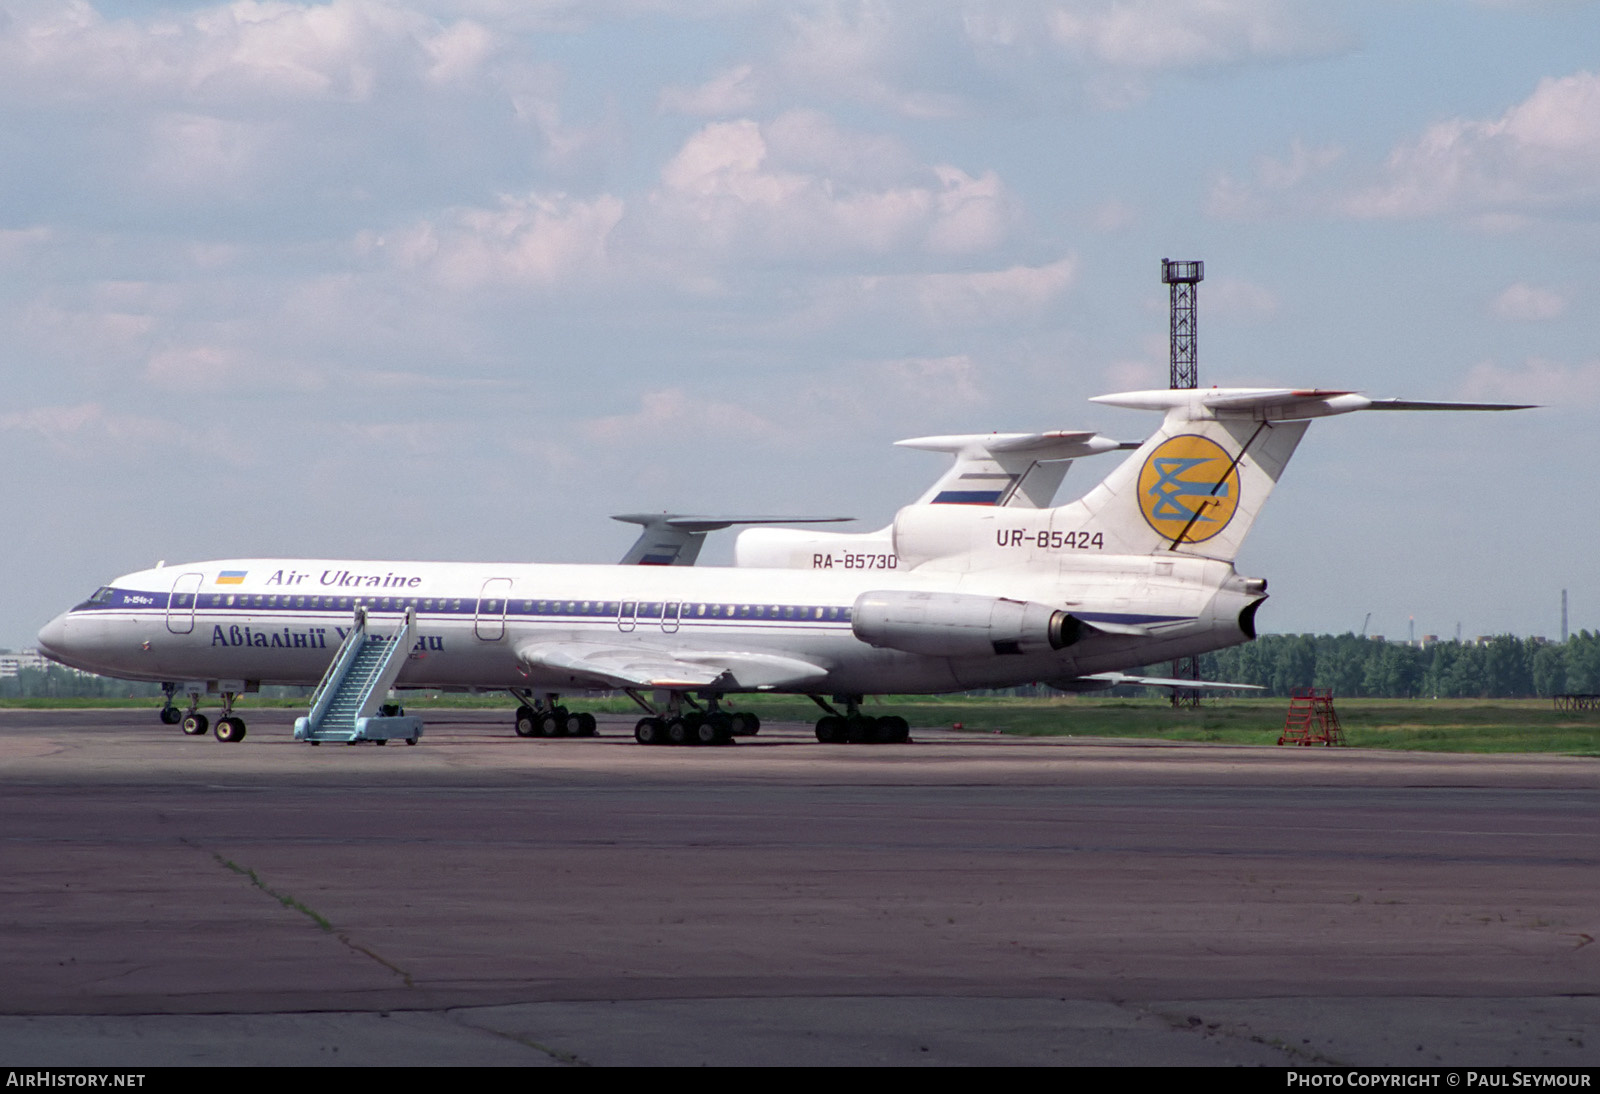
(960, 624)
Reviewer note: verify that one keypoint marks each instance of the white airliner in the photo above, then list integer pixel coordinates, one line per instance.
(1137, 571)
(1001, 470)
(1020, 470)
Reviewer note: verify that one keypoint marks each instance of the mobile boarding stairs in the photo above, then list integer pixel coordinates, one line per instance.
(347, 704)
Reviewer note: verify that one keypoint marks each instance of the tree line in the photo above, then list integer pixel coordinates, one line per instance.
(1505, 667)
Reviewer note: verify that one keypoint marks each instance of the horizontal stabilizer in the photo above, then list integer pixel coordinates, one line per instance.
(1274, 404)
(1052, 445)
(1412, 404)
(675, 539)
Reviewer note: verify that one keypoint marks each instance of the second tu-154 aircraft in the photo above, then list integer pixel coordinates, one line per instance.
(1137, 571)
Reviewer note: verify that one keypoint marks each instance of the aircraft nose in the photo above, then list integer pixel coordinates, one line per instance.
(53, 637)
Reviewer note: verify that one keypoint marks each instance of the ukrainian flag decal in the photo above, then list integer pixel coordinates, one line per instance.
(231, 577)
(1189, 489)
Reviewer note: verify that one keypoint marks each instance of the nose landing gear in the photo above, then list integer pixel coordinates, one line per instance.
(230, 729)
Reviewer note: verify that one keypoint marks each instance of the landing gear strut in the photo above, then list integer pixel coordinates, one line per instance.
(193, 722)
(230, 729)
(853, 727)
(169, 714)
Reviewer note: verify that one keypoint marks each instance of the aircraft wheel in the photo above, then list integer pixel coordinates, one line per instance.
(830, 729)
(859, 728)
(527, 722)
(743, 724)
(714, 730)
(170, 716)
(678, 732)
(649, 731)
(195, 725)
(555, 722)
(229, 730)
(898, 730)
(584, 724)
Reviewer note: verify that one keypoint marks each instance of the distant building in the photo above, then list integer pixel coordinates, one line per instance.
(13, 663)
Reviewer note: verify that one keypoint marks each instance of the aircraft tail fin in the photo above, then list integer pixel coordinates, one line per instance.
(1196, 486)
(1021, 470)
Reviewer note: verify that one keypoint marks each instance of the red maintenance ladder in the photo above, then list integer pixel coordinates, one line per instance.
(1311, 719)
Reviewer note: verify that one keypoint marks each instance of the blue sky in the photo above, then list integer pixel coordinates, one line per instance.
(460, 280)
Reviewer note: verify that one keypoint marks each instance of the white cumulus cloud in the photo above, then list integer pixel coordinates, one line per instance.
(85, 428)
(1538, 380)
(800, 187)
(541, 240)
(964, 298)
(1528, 302)
(1182, 34)
(248, 49)
(1540, 156)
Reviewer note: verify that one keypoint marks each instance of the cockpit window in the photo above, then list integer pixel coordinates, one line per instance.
(98, 599)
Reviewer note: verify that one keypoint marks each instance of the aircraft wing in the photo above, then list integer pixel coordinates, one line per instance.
(619, 665)
(1101, 680)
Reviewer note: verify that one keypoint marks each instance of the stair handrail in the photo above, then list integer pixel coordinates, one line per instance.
(323, 696)
(383, 674)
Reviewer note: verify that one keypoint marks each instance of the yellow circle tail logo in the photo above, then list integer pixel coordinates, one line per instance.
(1189, 488)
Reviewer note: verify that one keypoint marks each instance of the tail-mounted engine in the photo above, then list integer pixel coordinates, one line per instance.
(959, 624)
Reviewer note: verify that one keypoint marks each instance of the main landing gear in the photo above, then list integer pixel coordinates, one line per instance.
(853, 727)
(229, 728)
(544, 717)
(674, 725)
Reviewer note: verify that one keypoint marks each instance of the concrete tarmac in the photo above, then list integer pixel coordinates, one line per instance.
(483, 899)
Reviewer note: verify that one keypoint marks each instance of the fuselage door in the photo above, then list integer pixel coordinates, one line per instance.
(490, 624)
(628, 615)
(181, 604)
(670, 612)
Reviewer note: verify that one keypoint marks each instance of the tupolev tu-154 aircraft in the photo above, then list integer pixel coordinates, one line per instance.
(1137, 571)
(1021, 470)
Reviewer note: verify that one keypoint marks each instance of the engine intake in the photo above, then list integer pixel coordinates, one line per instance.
(960, 624)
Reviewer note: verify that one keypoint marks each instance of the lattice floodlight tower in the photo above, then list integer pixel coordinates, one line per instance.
(1183, 278)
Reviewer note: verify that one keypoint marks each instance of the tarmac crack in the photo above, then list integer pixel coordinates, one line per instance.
(561, 1055)
(322, 922)
(1240, 1033)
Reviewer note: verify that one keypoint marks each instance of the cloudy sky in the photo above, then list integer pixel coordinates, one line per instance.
(459, 279)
